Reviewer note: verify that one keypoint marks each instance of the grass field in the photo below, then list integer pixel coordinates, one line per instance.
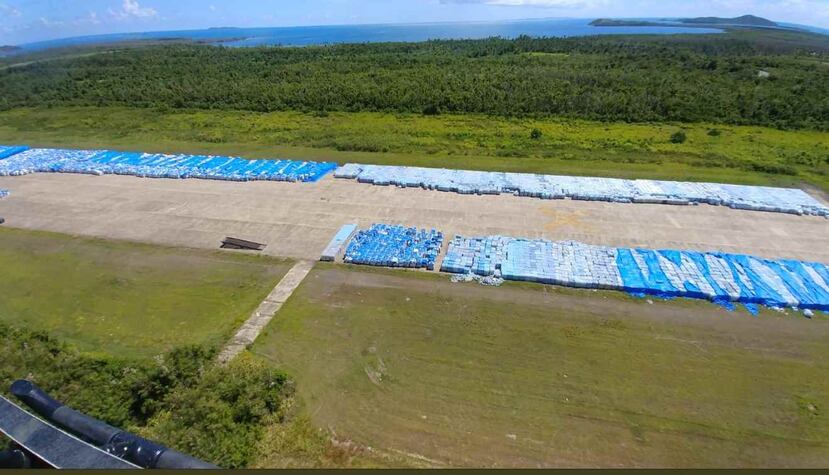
(526, 375)
(749, 155)
(126, 299)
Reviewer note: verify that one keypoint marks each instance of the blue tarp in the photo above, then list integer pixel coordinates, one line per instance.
(9, 150)
(721, 278)
(395, 246)
(100, 162)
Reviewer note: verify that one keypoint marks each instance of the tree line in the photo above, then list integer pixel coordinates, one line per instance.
(686, 78)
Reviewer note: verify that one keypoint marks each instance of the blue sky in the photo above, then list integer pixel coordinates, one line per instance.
(23, 21)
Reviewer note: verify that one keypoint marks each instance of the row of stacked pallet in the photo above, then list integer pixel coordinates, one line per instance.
(758, 198)
(7, 151)
(665, 273)
(480, 256)
(100, 162)
(395, 246)
(42, 160)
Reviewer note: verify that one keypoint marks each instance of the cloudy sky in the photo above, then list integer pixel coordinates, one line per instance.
(23, 21)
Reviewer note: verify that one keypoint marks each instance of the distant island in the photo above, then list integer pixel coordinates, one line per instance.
(613, 22)
(745, 21)
(9, 49)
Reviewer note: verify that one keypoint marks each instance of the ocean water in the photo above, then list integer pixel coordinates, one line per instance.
(315, 35)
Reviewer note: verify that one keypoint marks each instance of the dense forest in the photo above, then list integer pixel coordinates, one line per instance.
(777, 79)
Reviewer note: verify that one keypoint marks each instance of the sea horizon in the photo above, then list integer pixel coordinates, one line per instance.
(308, 35)
(370, 33)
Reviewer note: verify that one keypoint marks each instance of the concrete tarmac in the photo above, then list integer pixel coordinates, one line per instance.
(298, 219)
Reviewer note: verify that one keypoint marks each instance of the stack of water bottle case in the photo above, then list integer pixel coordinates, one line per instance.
(19, 160)
(395, 246)
(7, 151)
(668, 273)
(101, 162)
(718, 277)
(758, 198)
(665, 273)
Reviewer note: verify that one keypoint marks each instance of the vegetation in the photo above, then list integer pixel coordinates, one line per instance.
(157, 378)
(119, 298)
(416, 372)
(222, 418)
(690, 78)
(529, 375)
(178, 398)
(139, 330)
(739, 154)
(745, 20)
(616, 22)
(679, 137)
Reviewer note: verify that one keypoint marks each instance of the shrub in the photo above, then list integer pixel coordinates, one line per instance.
(121, 392)
(679, 137)
(431, 109)
(180, 398)
(222, 417)
(771, 168)
(535, 134)
(714, 133)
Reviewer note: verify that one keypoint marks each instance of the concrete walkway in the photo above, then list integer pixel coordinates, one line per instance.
(264, 313)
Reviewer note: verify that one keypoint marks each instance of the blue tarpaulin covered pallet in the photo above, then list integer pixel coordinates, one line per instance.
(100, 162)
(395, 246)
(759, 198)
(718, 277)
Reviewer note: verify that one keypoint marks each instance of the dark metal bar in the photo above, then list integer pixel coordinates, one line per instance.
(125, 445)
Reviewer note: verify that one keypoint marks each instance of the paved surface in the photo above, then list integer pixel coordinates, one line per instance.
(298, 220)
(267, 309)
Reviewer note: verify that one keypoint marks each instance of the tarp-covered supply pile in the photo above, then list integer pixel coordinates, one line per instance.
(758, 198)
(395, 246)
(717, 277)
(101, 162)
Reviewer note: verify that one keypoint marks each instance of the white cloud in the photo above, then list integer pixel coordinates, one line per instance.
(9, 11)
(90, 19)
(49, 23)
(132, 9)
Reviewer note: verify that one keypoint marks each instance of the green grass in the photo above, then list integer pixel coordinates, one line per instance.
(528, 375)
(126, 299)
(739, 154)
